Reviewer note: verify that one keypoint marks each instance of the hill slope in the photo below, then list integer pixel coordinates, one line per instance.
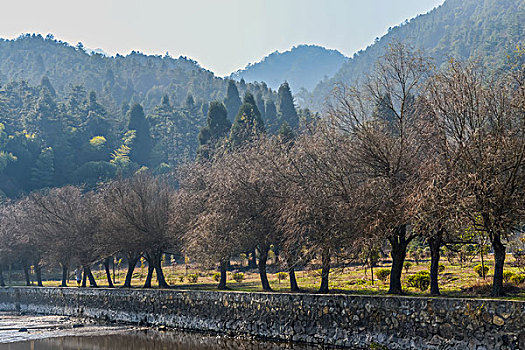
(303, 67)
(135, 77)
(483, 29)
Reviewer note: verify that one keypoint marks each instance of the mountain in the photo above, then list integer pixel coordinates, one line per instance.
(118, 80)
(488, 30)
(69, 115)
(303, 67)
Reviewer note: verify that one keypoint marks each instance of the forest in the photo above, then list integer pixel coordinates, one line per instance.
(413, 152)
(78, 132)
(485, 30)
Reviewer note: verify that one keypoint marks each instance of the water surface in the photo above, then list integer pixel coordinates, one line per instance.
(150, 340)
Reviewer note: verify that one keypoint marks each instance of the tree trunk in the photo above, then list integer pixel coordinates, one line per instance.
(26, 274)
(2, 282)
(154, 263)
(499, 262)
(89, 275)
(276, 253)
(399, 245)
(482, 263)
(294, 287)
(252, 262)
(149, 277)
(108, 272)
(435, 245)
(84, 278)
(38, 272)
(263, 257)
(64, 276)
(132, 262)
(325, 270)
(160, 274)
(223, 267)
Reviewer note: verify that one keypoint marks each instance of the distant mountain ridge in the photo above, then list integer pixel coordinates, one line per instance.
(135, 77)
(302, 67)
(488, 30)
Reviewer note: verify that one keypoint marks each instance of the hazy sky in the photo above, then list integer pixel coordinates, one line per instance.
(223, 35)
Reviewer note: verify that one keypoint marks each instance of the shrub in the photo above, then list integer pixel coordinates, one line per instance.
(377, 346)
(382, 274)
(281, 276)
(192, 278)
(518, 279)
(238, 277)
(217, 276)
(359, 282)
(479, 270)
(419, 280)
(507, 275)
(407, 265)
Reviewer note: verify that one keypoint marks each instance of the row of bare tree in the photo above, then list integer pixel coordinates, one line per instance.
(409, 152)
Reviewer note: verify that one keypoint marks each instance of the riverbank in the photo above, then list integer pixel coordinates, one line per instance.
(341, 320)
(15, 327)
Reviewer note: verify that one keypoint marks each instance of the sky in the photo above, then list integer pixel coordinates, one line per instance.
(222, 35)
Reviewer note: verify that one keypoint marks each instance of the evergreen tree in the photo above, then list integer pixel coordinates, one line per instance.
(217, 127)
(232, 100)
(165, 102)
(45, 83)
(141, 148)
(44, 170)
(248, 122)
(260, 105)
(189, 104)
(271, 121)
(286, 111)
(248, 98)
(217, 120)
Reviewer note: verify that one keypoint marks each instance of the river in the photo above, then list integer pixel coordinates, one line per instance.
(27, 332)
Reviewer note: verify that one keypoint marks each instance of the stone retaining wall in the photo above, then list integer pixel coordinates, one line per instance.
(342, 320)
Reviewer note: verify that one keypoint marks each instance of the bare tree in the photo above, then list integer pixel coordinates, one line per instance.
(482, 118)
(139, 208)
(68, 220)
(318, 210)
(381, 115)
(204, 211)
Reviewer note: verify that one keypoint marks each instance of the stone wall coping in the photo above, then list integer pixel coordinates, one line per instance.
(334, 295)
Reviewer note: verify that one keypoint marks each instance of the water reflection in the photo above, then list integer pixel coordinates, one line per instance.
(150, 340)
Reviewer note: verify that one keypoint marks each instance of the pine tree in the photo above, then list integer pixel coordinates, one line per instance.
(141, 148)
(44, 169)
(232, 100)
(271, 122)
(217, 127)
(45, 83)
(248, 122)
(165, 101)
(189, 104)
(286, 111)
(217, 120)
(260, 105)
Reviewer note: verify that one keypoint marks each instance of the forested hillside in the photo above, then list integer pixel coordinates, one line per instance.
(69, 117)
(117, 80)
(303, 67)
(488, 30)
(76, 127)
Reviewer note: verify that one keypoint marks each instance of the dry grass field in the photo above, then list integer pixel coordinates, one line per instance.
(455, 280)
